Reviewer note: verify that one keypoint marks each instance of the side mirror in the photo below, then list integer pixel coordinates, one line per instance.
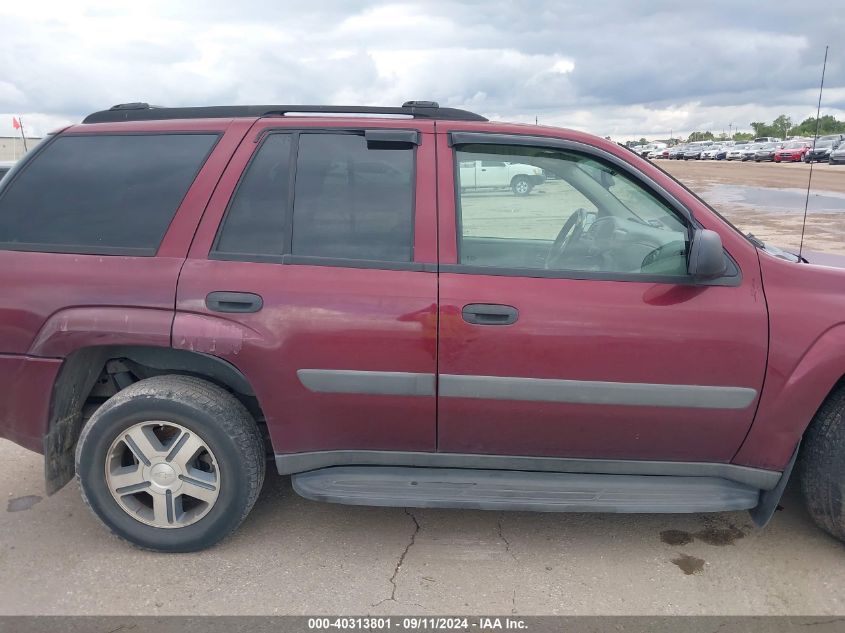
(707, 256)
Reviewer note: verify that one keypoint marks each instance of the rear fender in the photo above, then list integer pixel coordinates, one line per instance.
(75, 328)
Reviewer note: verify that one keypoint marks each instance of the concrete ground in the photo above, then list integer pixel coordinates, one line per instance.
(294, 556)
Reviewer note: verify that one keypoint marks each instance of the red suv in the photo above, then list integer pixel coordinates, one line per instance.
(190, 291)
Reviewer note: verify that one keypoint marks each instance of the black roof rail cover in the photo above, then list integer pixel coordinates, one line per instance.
(145, 112)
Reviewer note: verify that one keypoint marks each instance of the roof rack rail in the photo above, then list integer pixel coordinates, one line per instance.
(145, 112)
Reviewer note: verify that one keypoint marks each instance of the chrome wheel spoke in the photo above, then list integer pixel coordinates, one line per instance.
(128, 480)
(185, 449)
(143, 443)
(198, 489)
(164, 509)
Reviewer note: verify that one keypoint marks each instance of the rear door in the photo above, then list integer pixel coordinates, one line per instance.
(313, 272)
(568, 327)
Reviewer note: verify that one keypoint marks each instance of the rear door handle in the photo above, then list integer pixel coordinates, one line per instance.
(489, 314)
(234, 302)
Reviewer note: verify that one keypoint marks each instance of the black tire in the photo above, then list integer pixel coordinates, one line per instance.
(207, 410)
(822, 466)
(521, 186)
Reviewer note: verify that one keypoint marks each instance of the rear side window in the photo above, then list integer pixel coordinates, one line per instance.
(101, 194)
(255, 221)
(350, 201)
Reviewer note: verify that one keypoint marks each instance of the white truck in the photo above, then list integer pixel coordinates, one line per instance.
(496, 174)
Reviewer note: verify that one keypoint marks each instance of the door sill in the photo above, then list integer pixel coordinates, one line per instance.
(291, 463)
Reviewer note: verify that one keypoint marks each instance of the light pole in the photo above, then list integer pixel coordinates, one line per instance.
(730, 133)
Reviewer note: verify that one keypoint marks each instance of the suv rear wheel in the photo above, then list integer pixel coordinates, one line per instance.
(171, 463)
(822, 466)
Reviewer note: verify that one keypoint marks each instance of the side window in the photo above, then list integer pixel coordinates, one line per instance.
(563, 211)
(255, 220)
(349, 201)
(352, 202)
(101, 194)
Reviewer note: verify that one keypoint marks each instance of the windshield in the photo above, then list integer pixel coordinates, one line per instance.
(793, 146)
(824, 143)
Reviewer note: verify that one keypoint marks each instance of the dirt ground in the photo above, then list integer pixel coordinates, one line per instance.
(825, 231)
(293, 556)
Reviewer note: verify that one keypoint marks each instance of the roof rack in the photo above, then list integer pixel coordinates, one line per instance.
(146, 112)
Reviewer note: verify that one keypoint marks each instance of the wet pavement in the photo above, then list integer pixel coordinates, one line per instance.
(772, 199)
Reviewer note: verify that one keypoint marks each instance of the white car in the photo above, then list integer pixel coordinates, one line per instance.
(710, 152)
(497, 174)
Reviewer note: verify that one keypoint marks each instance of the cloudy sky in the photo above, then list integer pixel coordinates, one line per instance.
(612, 67)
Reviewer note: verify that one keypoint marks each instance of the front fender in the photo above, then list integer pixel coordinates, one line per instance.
(791, 398)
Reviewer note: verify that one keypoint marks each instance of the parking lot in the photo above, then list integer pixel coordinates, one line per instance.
(294, 556)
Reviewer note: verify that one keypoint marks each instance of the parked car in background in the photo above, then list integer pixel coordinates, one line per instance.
(838, 138)
(837, 156)
(491, 173)
(5, 167)
(821, 151)
(766, 152)
(677, 152)
(736, 152)
(792, 151)
(693, 152)
(750, 150)
(768, 139)
(722, 154)
(710, 152)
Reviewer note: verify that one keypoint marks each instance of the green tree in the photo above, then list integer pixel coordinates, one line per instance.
(743, 136)
(700, 136)
(827, 125)
(762, 129)
(782, 125)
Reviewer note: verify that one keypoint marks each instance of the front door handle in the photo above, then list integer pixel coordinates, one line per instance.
(489, 314)
(234, 302)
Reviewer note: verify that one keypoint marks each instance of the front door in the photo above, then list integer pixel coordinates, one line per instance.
(313, 273)
(568, 326)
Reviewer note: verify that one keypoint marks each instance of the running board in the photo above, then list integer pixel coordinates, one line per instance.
(520, 490)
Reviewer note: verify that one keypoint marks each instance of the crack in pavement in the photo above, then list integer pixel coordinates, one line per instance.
(401, 560)
(506, 542)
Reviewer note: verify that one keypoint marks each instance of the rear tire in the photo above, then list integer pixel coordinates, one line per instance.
(822, 466)
(171, 463)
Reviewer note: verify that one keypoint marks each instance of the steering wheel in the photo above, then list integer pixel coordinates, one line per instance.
(569, 234)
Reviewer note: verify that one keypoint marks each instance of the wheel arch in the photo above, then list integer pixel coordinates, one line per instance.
(90, 375)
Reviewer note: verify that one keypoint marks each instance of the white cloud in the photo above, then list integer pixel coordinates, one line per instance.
(618, 68)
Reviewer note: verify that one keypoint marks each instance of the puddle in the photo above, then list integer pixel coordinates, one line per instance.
(22, 503)
(775, 200)
(689, 564)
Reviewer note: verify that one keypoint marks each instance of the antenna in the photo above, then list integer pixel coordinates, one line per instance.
(815, 138)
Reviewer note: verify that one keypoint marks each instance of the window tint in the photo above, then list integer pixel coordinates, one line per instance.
(352, 202)
(255, 221)
(558, 210)
(101, 194)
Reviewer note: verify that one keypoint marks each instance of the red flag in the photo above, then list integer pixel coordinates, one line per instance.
(15, 123)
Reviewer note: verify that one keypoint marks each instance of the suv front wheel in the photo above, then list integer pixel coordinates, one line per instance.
(171, 463)
(822, 466)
